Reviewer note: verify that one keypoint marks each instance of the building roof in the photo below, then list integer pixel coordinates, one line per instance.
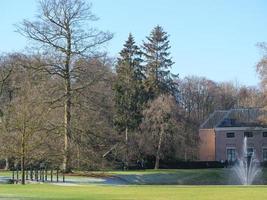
(241, 117)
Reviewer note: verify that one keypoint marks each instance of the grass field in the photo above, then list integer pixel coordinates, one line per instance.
(95, 192)
(139, 187)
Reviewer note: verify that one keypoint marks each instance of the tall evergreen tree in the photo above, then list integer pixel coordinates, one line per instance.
(128, 89)
(158, 62)
(158, 83)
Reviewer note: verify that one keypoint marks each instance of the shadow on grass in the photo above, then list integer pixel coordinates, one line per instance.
(189, 177)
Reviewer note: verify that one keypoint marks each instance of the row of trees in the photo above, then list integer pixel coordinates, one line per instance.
(196, 99)
(161, 112)
(94, 114)
(143, 88)
(68, 104)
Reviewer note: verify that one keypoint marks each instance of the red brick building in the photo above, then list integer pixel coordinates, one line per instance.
(222, 135)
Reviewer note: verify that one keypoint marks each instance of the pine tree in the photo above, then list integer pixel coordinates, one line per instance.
(128, 90)
(159, 82)
(158, 62)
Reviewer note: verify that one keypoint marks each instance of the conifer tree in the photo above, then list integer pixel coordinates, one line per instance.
(158, 62)
(159, 82)
(128, 89)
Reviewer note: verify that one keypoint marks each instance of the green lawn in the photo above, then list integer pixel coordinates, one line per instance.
(140, 191)
(94, 192)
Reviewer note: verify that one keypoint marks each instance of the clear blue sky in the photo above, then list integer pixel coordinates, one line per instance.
(212, 38)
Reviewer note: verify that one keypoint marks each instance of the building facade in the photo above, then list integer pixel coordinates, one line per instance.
(222, 135)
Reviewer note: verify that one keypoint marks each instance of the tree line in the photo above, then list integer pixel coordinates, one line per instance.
(67, 103)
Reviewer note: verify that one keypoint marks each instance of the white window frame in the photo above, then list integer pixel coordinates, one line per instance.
(252, 133)
(230, 132)
(254, 150)
(232, 148)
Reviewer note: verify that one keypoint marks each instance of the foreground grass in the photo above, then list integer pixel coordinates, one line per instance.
(94, 192)
(142, 192)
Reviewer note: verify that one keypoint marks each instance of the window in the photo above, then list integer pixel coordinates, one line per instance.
(264, 154)
(231, 155)
(264, 134)
(248, 134)
(230, 135)
(250, 151)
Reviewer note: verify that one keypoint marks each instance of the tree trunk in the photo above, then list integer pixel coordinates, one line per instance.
(67, 128)
(159, 150)
(126, 149)
(23, 159)
(78, 158)
(67, 111)
(7, 164)
(22, 170)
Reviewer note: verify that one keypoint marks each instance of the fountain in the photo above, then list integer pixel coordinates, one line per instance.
(247, 167)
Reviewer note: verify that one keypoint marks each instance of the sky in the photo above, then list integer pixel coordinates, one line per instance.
(216, 39)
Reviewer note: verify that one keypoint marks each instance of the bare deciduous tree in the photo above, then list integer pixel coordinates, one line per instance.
(62, 29)
(23, 118)
(161, 125)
